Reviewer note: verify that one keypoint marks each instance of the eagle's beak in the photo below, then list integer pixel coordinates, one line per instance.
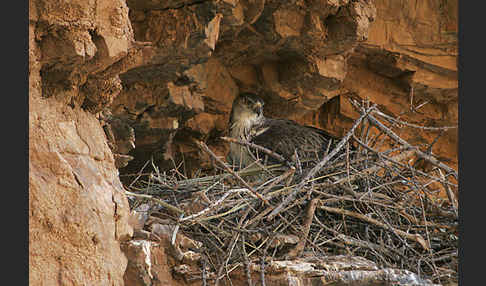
(258, 107)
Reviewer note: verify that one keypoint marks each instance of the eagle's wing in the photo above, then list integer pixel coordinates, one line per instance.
(286, 137)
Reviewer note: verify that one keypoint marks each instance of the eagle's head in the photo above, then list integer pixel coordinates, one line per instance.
(247, 109)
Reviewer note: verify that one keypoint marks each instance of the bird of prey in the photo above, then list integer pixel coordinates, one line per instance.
(282, 136)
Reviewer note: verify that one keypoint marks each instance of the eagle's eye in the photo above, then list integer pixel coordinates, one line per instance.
(252, 102)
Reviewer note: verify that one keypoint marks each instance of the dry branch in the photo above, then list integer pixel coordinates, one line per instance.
(309, 215)
(395, 120)
(160, 202)
(389, 216)
(317, 167)
(415, 237)
(450, 194)
(270, 153)
(421, 154)
(206, 149)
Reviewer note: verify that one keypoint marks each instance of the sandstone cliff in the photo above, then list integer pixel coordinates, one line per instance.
(78, 213)
(113, 80)
(304, 61)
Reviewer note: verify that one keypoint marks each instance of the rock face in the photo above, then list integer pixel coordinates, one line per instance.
(159, 262)
(408, 65)
(293, 52)
(166, 72)
(78, 213)
(304, 58)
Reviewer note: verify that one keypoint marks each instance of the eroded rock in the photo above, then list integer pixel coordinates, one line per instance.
(177, 83)
(78, 213)
(161, 262)
(200, 49)
(309, 270)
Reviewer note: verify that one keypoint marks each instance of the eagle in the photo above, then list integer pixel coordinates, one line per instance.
(282, 136)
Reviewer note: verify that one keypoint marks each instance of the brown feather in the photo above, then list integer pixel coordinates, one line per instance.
(285, 137)
(282, 136)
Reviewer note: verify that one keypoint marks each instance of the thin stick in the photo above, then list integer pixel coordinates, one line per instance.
(421, 154)
(395, 120)
(450, 195)
(395, 161)
(262, 269)
(317, 167)
(139, 173)
(429, 149)
(174, 233)
(279, 157)
(216, 203)
(204, 274)
(309, 215)
(232, 245)
(415, 237)
(223, 265)
(279, 179)
(162, 203)
(367, 244)
(206, 149)
(246, 262)
(297, 161)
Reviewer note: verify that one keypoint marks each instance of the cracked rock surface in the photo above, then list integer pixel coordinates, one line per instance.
(78, 213)
(167, 72)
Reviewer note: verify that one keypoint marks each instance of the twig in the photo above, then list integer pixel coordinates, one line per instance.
(279, 157)
(445, 257)
(415, 237)
(139, 174)
(421, 154)
(424, 218)
(160, 202)
(450, 194)
(174, 233)
(204, 274)
(396, 162)
(279, 179)
(297, 161)
(373, 246)
(216, 203)
(206, 149)
(395, 120)
(429, 148)
(246, 262)
(309, 215)
(233, 210)
(232, 245)
(317, 167)
(262, 270)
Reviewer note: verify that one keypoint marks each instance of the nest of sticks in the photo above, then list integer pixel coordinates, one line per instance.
(356, 201)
